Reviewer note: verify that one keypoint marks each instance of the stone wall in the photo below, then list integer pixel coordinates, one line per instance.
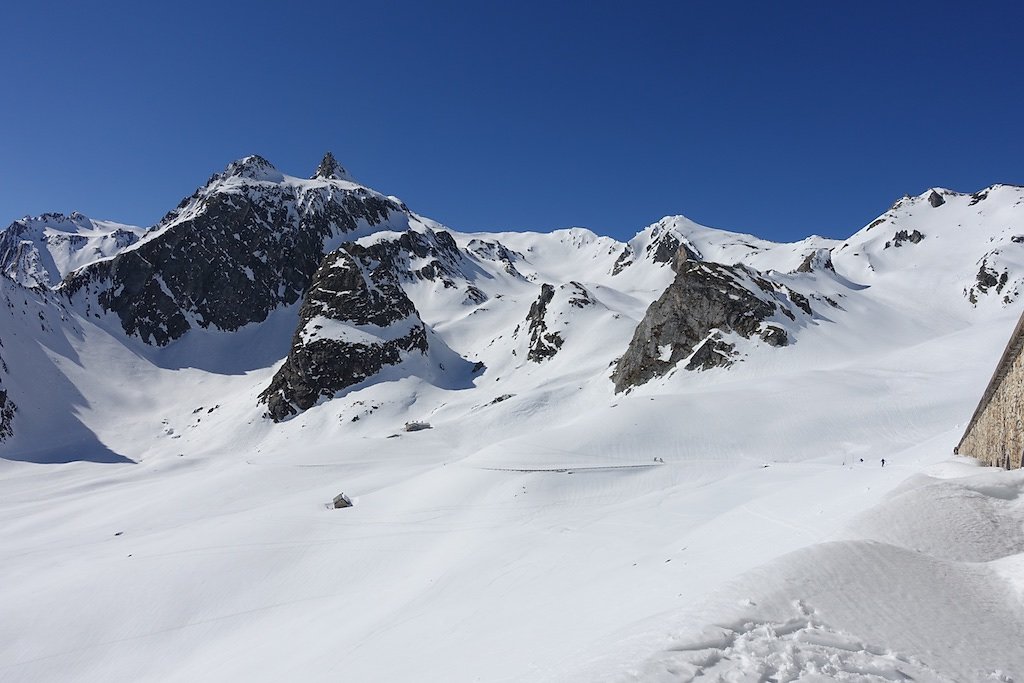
(995, 434)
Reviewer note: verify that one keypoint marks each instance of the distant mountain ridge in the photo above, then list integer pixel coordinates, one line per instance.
(378, 293)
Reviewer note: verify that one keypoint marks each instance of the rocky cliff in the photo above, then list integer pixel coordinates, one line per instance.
(704, 302)
(244, 244)
(355, 321)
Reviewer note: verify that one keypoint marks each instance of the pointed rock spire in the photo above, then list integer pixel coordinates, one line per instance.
(330, 169)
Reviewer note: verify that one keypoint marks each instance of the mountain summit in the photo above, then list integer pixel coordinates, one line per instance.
(330, 169)
(542, 438)
(351, 290)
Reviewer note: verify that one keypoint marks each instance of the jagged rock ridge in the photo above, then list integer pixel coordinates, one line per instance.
(355, 320)
(246, 243)
(688, 321)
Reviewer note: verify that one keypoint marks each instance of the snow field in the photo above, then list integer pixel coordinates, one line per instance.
(715, 526)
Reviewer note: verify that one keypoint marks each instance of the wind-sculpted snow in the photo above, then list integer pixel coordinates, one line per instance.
(925, 586)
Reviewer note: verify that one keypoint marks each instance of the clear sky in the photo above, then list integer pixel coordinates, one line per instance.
(781, 119)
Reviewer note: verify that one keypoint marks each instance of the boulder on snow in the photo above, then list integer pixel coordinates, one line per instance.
(416, 426)
(342, 501)
(935, 199)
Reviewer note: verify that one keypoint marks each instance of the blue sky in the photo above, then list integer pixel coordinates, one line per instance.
(781, 119)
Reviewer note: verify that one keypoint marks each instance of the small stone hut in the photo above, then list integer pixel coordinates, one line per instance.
(995, 434)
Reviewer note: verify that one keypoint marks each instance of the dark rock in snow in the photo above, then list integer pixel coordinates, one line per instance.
(713, 352)
(342, 501)
(496, 252)
(819, 259)
(774, 335)
(935, 199)
(355, 320)
(330, 169)
(988, 279)
(234, 251)
(624, 260)
(902, 236)
(664, 249)
(7, 410)
(543, 344)
(705, 300)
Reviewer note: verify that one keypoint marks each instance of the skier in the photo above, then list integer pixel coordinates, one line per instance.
(883, 462)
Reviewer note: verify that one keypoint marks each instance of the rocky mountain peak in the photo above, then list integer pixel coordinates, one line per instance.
(253, 167)
(330, 169)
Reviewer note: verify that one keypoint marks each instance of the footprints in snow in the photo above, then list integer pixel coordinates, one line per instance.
(798, 649)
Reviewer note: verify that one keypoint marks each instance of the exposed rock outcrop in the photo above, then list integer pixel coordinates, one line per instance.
(704, 302)
(661, 247)
(902, 236)
(7, 410)
(330, 169)
(543, 343)
(247, 242)
(355, 320)
(496, 252)
(988, 279)
(935, 199)
(819, 259)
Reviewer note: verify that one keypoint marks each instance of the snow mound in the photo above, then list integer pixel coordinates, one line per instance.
(932, 572)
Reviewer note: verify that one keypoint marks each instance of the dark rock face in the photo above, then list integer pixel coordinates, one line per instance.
(543, 344)
(355, 320)
(988, 279)
(663, 248)
(238, 248)
(705, 300)
(935, 199)
(775, 336)
(624, 260)
(7, 410)
(330, 169)
(496, 252)
(902, 236)
(437, 257)
(7, 406)
(713, 352)
(820, 259)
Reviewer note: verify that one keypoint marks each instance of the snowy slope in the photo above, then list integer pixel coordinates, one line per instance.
(42, 250)
(154, 525)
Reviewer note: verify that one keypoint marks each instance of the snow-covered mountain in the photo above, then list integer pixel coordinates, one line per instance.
(42, 251)
(616, 429)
